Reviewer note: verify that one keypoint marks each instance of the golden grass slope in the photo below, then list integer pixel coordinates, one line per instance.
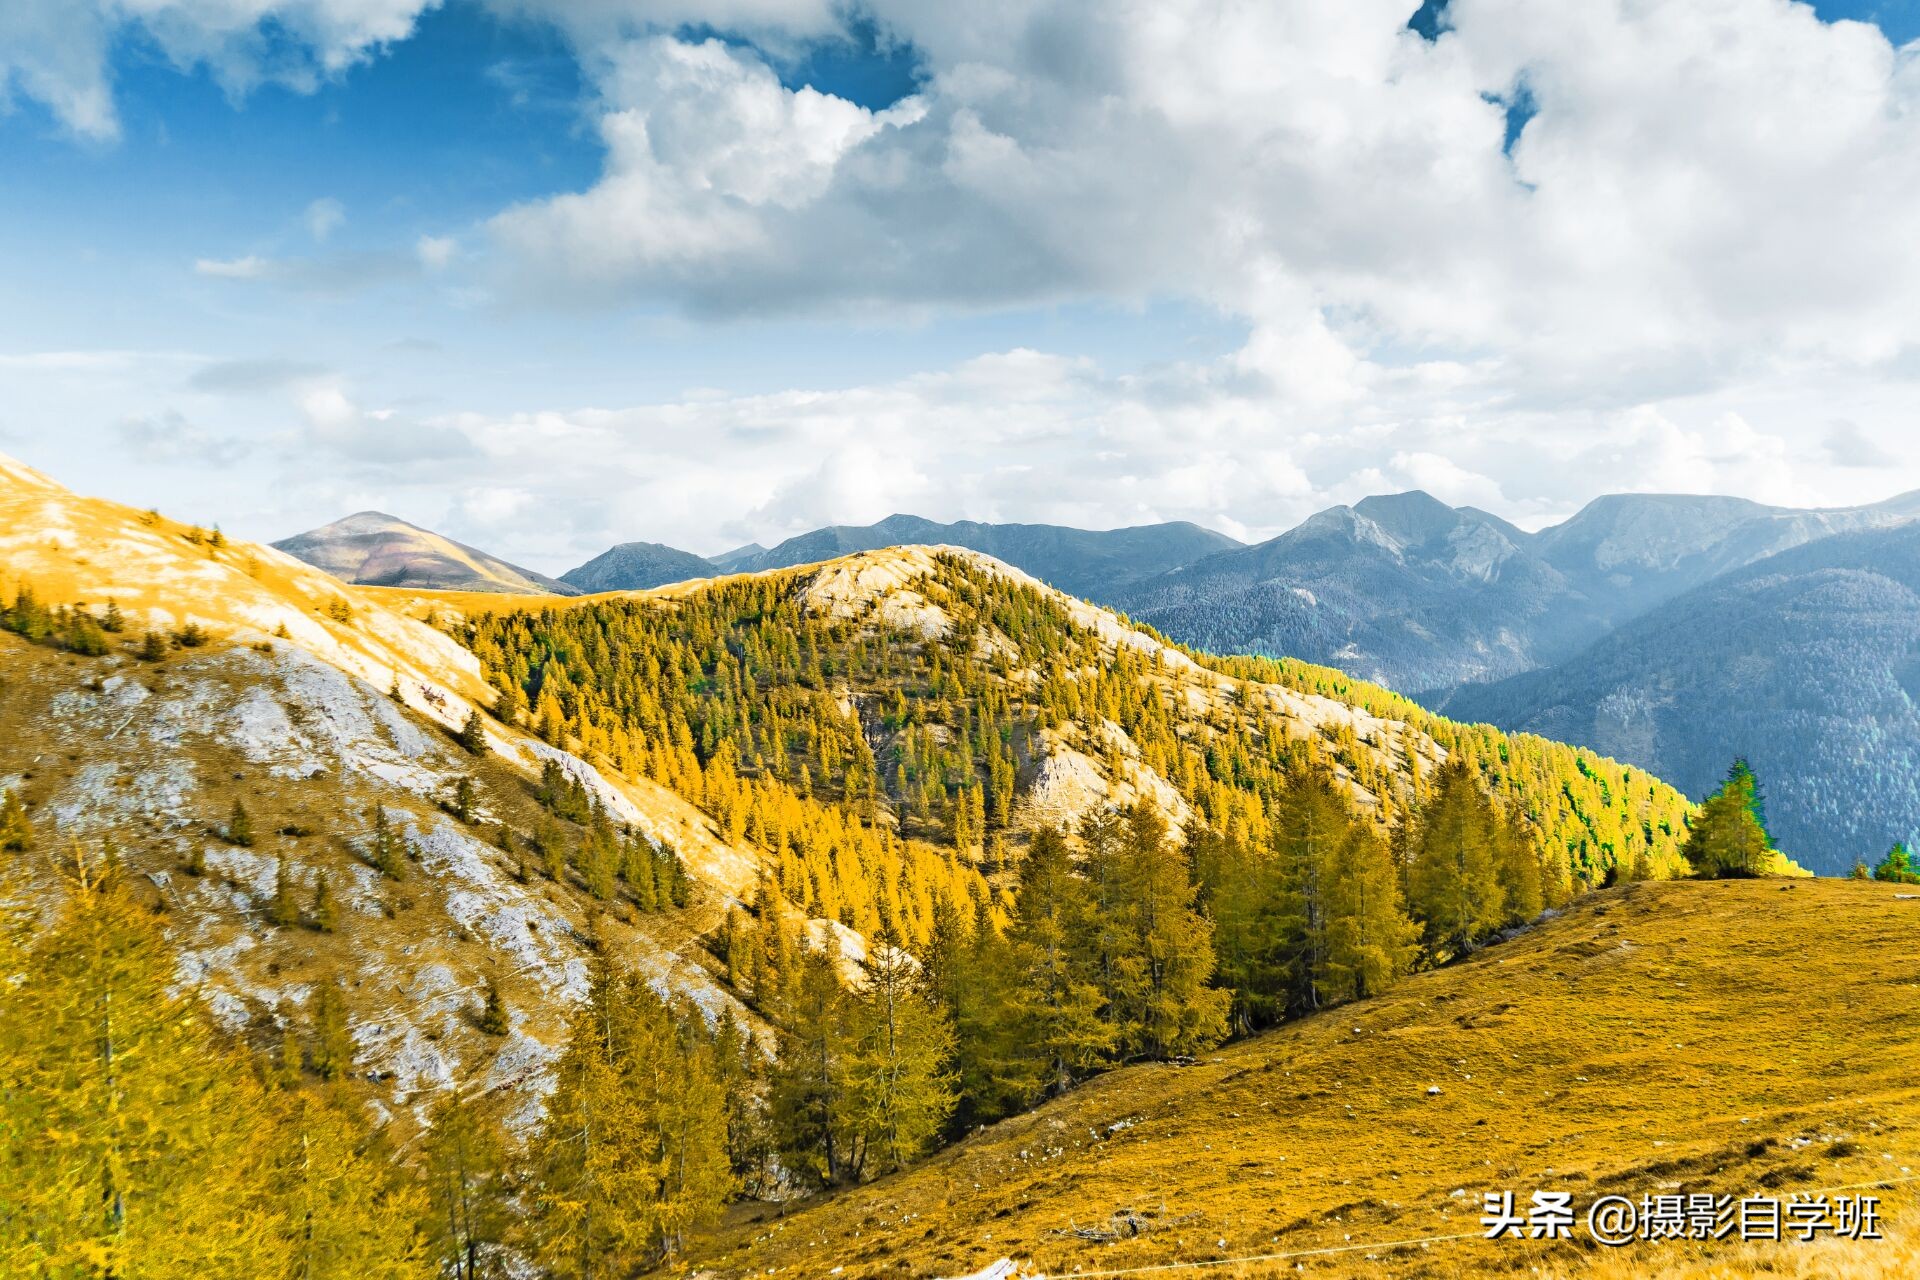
(164, 574)
(1739, 1037)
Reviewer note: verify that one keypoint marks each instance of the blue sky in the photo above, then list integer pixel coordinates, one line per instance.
(548, 276)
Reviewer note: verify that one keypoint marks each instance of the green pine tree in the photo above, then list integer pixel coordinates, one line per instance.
(326, 912)
(900, 1088)
(1897, 867)
(1727, 837)
(332, 1038)
(1052, 1010)
(16, 829)
(465, 1170)
(283, 910)
(473, 734)
(240, 826)
(493, 1013)
(1453, 879)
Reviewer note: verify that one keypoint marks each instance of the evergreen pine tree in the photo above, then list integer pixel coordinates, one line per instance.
(493, 1012)
(1517, 867)
(900, 1090)
(130, 1132)
(287, 1059)
(326, 913)
(463, 799)
(1453, 884)
(240, 826)
(1897, 867)
(387, 852)
(283, 910)
(343, 1206)
(1727, 837)
(464, 1167)
(1370, 942)
(16, 830)
(807, 1094)
(1159, 950)
(332, 1053)
(1053, 1004)
(473, 734)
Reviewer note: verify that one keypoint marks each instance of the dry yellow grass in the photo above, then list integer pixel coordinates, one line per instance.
(1737, 1038)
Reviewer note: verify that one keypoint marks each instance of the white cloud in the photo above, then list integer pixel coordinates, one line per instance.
(57, 51)
(701, 139)
(435, 252)
(251, 267)
(168, 438)
(1696, 258)
(323, 217)
(1709, 187)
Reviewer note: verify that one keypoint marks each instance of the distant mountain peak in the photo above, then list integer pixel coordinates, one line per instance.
(373, 548)
(638, 566)
(1095, 564)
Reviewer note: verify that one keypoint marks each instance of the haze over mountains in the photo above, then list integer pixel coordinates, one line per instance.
(1807, 662)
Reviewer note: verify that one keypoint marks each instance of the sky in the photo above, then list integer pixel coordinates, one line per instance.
(547, 275)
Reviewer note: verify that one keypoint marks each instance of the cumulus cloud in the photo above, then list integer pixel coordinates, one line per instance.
(57, 51)
(363, 440)
(1694, 255)
(1705, 186)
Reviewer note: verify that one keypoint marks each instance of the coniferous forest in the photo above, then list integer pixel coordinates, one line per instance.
(883, 773)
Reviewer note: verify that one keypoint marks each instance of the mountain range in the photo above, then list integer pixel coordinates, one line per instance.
(389, 840)
(174, 680)
(1807, 662)
(1590, 630)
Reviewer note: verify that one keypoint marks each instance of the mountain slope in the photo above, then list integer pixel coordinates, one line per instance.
(702, 783)
(313, 705)
(1630, 551)
(636, 566)
(1096, 565)
(1653, 1040)
(1402, 590)
(1807, 662)
(374, 549)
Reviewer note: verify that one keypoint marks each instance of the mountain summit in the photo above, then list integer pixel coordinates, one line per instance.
(1399, 588)
(371, 548)
(637, 566)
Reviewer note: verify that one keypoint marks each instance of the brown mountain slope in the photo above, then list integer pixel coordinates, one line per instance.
(1731, 1037)
(373, 548)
